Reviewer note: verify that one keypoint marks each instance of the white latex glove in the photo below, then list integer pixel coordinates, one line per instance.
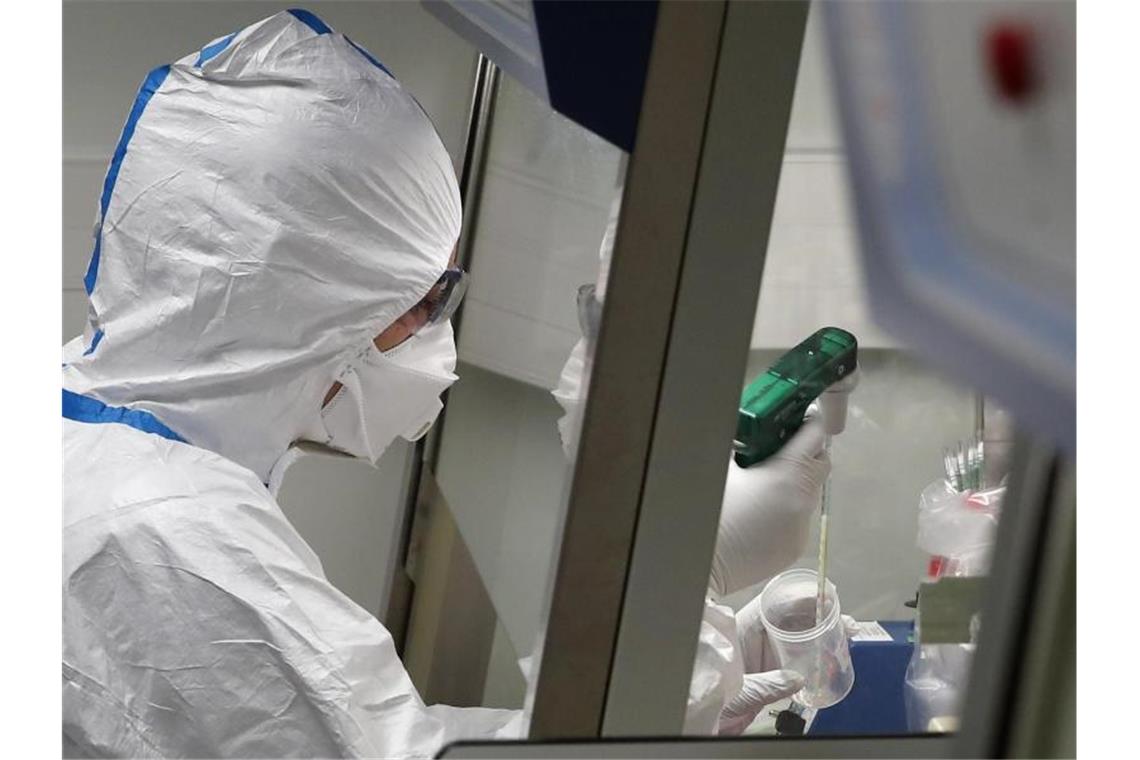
(766, 516)
(760, 690)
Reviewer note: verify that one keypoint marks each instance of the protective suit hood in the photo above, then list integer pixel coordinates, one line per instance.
(275, 201)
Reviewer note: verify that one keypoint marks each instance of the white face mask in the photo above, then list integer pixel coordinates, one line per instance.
(392, 394)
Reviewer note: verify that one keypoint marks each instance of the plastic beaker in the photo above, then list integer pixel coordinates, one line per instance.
(817, 652)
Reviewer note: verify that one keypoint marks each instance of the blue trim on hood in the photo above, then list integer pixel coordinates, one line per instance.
(86, 409)
(210, 51)
(95, 340)
(149, 86)
(370, 57)
(310, 20)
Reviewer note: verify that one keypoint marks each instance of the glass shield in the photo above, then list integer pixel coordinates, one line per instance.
(904, 526)
(505, 447)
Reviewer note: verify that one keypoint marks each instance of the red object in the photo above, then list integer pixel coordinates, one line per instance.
(935, 566)
(1011, 56)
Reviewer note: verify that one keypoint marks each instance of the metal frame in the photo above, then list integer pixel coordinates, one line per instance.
(725, 247)
(639, 535)
(1026, 592)
(569, 697)
(823, 747)
(1043, 714)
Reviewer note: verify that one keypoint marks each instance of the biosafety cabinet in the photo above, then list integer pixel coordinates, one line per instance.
(662, 198)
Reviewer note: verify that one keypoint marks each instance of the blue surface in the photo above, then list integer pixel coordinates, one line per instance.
(875, 704)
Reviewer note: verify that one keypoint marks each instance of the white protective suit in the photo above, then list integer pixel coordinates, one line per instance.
(275, 201)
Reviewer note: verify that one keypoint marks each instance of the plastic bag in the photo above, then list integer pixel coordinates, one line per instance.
(957, 530)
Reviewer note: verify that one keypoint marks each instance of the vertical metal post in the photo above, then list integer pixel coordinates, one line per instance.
(690, 246)
(1029, 533)
(1044, 717)
(723, 260)
(568, 699)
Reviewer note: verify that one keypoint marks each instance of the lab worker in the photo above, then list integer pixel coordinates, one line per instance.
(271, 264)
(765, 520)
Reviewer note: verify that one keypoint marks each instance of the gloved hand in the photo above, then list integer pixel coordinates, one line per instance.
(764, 682)
(767, 511)
(759, 691)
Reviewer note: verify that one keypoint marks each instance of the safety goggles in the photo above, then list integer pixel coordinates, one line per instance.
(444, 297)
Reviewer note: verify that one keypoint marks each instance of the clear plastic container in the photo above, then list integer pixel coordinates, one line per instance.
(817, 652)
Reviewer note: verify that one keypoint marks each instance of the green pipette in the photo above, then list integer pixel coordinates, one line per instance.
(772, 406)
(772, 409)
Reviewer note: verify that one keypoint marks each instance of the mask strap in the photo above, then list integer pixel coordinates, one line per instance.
(277, 473)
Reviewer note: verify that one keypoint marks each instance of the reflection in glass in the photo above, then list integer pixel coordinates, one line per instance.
(502, 468)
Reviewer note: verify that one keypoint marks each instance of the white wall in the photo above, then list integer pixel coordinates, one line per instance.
(346, 510)
(812, 274)
(546, 198)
